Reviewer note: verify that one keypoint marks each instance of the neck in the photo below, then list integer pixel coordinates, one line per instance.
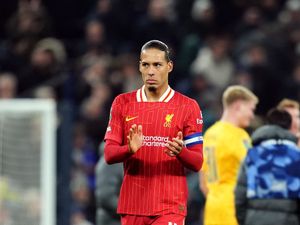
(154, 95)
(229, 117)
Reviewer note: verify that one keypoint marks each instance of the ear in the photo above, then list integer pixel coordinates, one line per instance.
(170, 66)
(236, 105)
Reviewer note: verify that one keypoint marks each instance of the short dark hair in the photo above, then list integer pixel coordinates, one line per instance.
(279, 117)
(158, 45)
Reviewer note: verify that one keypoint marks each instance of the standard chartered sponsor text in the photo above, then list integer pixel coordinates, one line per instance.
(156, 141)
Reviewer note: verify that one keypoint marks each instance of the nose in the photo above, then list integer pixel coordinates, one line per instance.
(151, 71)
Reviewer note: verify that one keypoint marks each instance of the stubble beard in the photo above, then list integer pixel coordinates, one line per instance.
(152, 89)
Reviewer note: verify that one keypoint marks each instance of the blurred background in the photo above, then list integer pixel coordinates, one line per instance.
(82, 53)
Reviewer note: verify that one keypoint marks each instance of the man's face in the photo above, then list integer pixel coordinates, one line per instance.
(295, 114)
(246, 112)
(155, 69)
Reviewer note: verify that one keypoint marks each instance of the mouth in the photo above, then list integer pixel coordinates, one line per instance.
(151, 82)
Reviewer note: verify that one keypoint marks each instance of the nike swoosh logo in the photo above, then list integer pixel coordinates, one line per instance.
(128, 118)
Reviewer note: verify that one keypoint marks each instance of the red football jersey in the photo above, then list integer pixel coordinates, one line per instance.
(155, 183)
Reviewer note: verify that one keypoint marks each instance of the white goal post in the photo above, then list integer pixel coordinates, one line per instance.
(28, 161)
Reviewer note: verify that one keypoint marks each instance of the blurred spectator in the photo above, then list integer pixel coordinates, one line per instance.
(203, 17)
(262, 75)
(266, 192)
(201, 26)
(95, 43)
(108, 183)
(81, 195)
(118, 31)
(290, 13)
(94, 70)
(94, 111)
(242, 77)
(293, 108)
(214, 62)
(252, 19)
(95, 35)
(45, 68)
(292, 88)
(84, 155)
(8, 85)
(25, 28)
(270, 9)
(78, 218)
(30, 19)
(128, 69)
(84, 158)
(158, 23)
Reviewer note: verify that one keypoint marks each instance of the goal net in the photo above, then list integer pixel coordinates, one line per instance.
(27, 162)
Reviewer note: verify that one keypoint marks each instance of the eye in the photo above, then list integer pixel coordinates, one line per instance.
(145, 64)
(157, 65)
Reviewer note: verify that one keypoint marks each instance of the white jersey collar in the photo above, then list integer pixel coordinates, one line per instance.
(166, 97)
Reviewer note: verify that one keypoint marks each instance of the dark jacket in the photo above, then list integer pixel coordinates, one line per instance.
(268, 188)
(108, 183)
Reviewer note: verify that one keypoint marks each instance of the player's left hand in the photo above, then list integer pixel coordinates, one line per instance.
(175, 146)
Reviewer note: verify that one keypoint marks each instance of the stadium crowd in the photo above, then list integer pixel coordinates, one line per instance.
(84, 53)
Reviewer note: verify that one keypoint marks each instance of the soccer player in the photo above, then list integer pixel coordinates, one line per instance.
(293, 108)
(156, 132)
(225, 146)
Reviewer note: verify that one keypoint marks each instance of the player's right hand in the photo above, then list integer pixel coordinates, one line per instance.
(135, 138)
